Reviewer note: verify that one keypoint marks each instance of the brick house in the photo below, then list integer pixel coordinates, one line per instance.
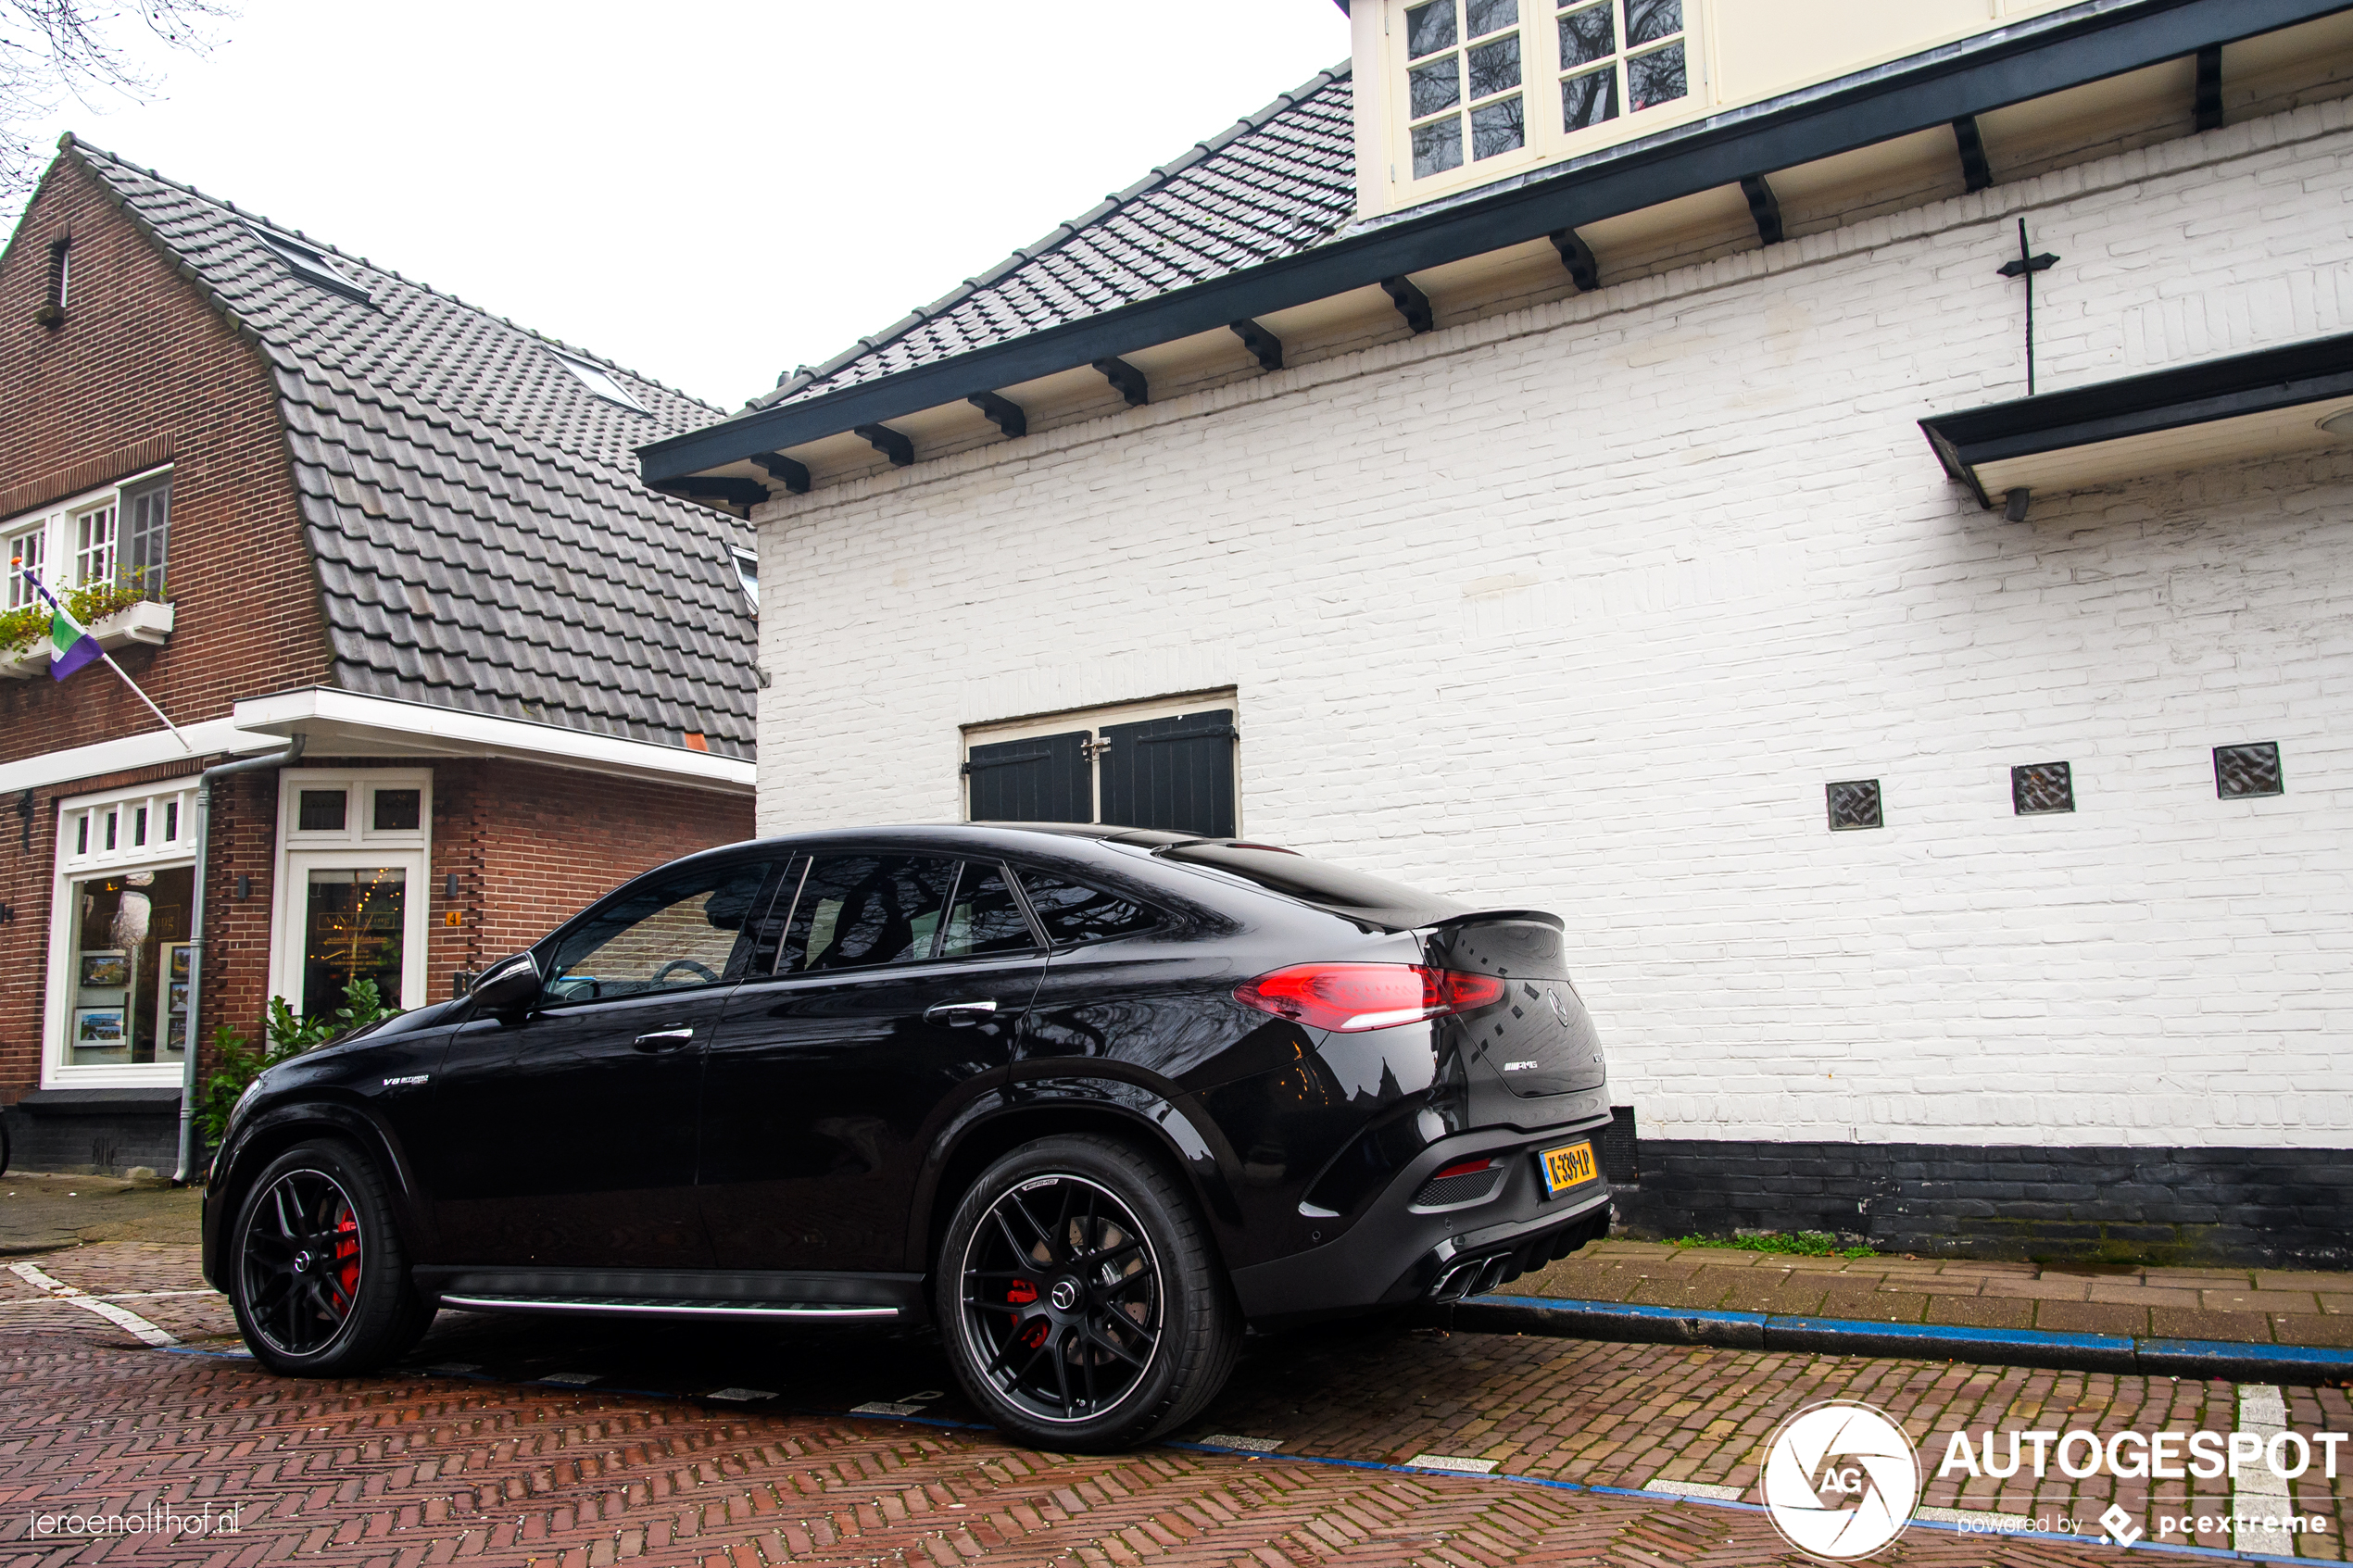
(1579, 453)
(310, 499)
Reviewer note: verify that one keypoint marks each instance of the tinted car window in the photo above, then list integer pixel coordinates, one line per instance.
(1337, 888)
(859, 911)
(1072, 913)
(677, 931)
(985, 919)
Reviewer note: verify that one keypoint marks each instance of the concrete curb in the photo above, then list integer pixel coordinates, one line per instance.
(1635, 1324)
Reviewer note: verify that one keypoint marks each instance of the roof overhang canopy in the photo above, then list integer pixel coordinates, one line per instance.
(340, 723)
(2269, 403)
(2036, 57)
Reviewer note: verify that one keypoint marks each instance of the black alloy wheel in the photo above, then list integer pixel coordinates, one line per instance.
(1083, 1306)
(300, 1272)
(318, 1283)
(1062, 1293)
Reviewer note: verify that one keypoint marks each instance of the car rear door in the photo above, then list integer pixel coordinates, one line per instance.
(902, 985)
(565, 1136)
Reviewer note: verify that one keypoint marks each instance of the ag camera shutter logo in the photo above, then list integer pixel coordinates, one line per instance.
(1841, 1480)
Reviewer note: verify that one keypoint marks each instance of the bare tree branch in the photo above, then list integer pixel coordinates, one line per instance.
(51, 50)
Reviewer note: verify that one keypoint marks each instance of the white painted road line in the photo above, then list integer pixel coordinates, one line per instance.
(121, 1316)
(1248, 1444)
(741, 1395)
(1448, 1461)
(884, 1407)
(1692, 1490)
(2255, 1493)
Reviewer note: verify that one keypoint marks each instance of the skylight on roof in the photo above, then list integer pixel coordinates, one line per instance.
(311, 264)
(593, 378)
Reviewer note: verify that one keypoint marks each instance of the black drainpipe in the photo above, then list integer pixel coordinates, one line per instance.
(196, 939)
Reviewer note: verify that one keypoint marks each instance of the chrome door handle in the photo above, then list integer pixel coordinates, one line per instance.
(960, 1012)
(664, 1039)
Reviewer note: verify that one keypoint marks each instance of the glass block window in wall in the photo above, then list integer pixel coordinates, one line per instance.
(1463, 77)
(1619, 56)
(2040, 788)
(2243, 771)
(354, 925)
(129, 978)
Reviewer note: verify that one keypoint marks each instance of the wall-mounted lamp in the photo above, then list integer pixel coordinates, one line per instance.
(449, 885)
(244, 887)
(6, 914)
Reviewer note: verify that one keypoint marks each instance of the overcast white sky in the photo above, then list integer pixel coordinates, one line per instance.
(707, 190)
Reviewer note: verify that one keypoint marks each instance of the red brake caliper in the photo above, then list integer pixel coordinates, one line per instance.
(1021, 1293)
(348, 1255)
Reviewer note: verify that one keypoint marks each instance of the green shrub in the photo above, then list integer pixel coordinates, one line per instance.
(286, 1036)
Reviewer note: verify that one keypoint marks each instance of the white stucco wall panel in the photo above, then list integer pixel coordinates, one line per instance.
(1583, 604)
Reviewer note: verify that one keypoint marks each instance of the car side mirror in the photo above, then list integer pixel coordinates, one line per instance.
(508, 985)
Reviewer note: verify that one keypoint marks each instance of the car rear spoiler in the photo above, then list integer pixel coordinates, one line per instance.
(1540, 916)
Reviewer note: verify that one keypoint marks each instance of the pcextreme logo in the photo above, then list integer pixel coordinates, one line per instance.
(1841, 1480)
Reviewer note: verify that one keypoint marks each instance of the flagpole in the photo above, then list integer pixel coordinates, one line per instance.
(43, 589)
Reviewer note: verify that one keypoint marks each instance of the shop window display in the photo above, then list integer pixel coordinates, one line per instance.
(129, 972)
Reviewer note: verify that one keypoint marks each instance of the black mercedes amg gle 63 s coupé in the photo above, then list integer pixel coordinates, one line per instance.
(1089, 1100)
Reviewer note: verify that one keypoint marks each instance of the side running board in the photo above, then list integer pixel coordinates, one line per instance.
(595, 1306)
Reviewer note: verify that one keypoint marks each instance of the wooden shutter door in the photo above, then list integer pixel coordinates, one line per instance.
(1172, 773)
(1043, 779)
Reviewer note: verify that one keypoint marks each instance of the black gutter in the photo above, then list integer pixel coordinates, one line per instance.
(2049, 54)
(2268, 379)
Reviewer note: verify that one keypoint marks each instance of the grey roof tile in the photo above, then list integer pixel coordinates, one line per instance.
(438, 446)
(1273, 184)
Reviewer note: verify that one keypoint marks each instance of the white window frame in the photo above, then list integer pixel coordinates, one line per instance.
(1093, 720)
(31, 546)
(1541, 76)
(96, 532)
(356, 844)
(78, 860)
(56, 525)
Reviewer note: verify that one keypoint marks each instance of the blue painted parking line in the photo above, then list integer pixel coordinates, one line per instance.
(1644, 1324)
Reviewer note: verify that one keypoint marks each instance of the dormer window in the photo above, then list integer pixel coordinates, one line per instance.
(1619, 52)
(1463, 74)
(596, 379)
(1479, 89)
(310, 264)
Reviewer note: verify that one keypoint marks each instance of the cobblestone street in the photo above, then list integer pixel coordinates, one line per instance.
(522, 1441)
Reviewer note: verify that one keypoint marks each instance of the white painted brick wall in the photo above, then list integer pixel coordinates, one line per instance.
(1581, 606)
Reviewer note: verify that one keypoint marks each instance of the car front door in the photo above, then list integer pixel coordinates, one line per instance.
(898, 996)
(565, 1133)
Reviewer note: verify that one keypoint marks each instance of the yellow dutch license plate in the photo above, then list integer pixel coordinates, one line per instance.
(1567, 1167)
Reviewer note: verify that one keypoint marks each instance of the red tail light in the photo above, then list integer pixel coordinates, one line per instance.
(1346, 998)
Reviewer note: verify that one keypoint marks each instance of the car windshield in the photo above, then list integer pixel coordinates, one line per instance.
(1376, 900)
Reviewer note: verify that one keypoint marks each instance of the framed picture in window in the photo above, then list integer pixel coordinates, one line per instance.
(104, 968)
(175, 1034)
(175, 996)
(101, 1026)
(175, 961)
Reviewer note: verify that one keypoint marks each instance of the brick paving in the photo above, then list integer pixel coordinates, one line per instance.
(644, 1465)
(2257, 1306)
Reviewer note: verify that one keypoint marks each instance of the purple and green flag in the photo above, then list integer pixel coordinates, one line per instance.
(71, 647)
